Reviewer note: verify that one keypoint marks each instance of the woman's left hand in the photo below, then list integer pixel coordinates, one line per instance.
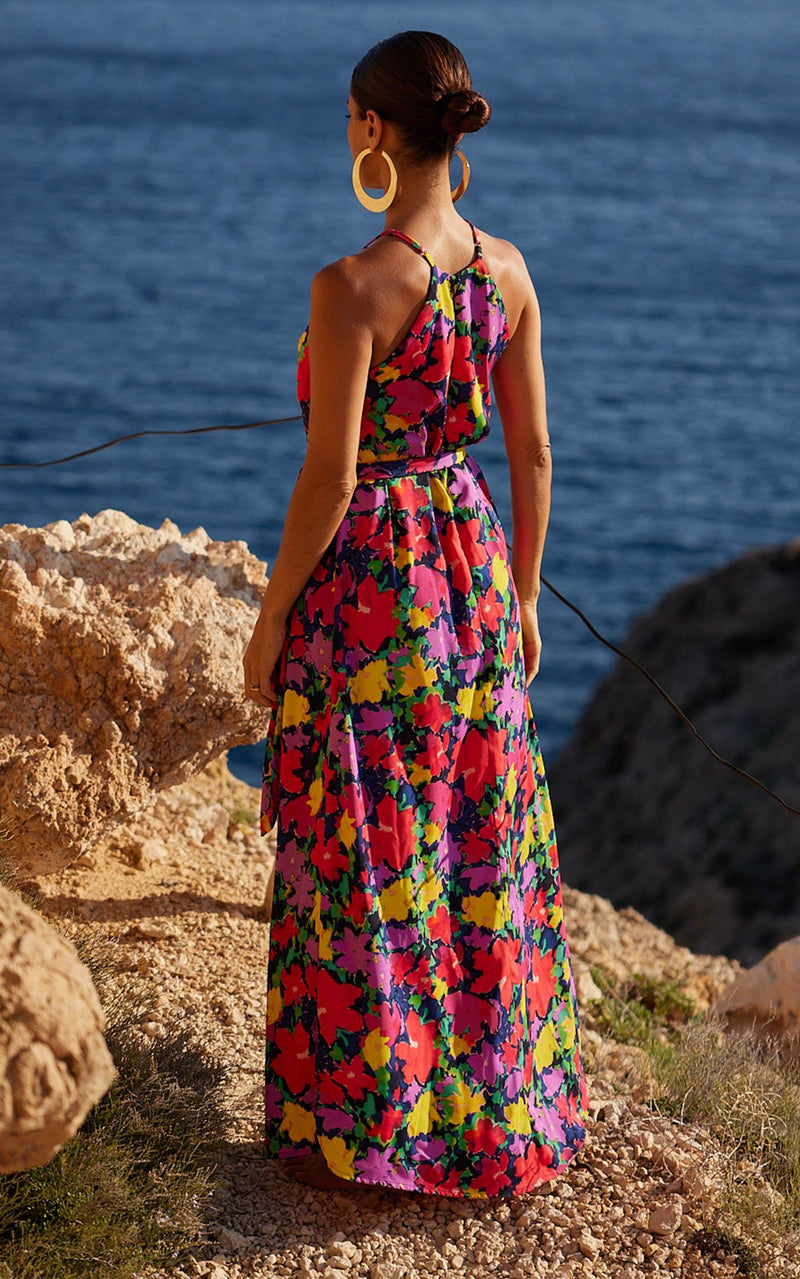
(260, 659)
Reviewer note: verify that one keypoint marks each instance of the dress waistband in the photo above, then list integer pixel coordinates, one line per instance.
(394, 467)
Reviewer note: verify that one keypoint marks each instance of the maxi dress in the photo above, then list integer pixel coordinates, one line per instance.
(422, 1028)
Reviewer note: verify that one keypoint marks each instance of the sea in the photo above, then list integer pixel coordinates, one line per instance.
(172, 173)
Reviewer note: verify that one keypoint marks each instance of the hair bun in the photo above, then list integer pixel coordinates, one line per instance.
(464, 111)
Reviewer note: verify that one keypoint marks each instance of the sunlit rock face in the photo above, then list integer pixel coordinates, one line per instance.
(120, 673)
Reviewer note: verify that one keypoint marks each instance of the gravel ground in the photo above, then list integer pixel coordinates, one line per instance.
(182, 893)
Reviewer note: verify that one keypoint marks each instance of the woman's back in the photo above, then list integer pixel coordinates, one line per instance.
(431, 391)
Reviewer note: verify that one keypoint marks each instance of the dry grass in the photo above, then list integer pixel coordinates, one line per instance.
(744, 1090)
(132, 1186)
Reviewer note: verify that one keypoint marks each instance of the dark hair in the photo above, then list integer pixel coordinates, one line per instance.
(419, 81)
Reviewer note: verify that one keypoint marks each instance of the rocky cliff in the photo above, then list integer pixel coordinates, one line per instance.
(120, 673)
(645, 816)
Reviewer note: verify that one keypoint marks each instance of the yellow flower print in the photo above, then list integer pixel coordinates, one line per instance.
(500, 574)
(486, 910)
(337, 1155)
(416, 675)
(299, 1122)
(325, 949)
(424, 1115)
(396, 900)
(376, 1049)
(460, 1044)
(417, 774)
(518, 1116)
(274, 1005)
(546, 1046)
(368, 683)
(546, 823)
(463, 1102)
(295, 708)
(567, 1029)
(315, 796)
(347, 830)
(440, 495)
(419, 617)
(444, 299)
(429, 891)
(476, 410)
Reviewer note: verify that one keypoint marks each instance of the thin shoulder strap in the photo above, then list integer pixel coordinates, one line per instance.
(475, 239)
(412, 244)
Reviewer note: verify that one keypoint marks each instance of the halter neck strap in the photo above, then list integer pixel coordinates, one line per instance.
(417, 247)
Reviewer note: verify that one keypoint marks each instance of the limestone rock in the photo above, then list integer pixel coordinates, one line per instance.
(665, 1219)
(120, 673)
(645, 816)
(766, 997)
(54, 1063)
(622, 942)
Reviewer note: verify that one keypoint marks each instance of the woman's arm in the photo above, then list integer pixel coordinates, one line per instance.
(340, 351)
(519, 387)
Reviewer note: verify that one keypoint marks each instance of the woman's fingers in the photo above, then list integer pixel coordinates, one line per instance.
(260, 692)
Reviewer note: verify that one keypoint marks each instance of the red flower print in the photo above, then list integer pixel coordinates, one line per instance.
(373, 622)
(539, 992)
(431, 712)
(293, 984)
(440, 927)
(421, 1054)
(293, 1060)
(354, 1078)
(391, 839)
(331, 858)
(485, 1137)
(492, 1176)
(336, 1006)
(498, 967)
(472, 764)
(458, 564)
(390, 1121)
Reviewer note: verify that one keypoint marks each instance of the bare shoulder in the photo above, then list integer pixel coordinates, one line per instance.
(339, 282)
(362, 283)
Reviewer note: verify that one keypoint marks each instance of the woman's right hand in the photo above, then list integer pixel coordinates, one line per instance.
(531, 639)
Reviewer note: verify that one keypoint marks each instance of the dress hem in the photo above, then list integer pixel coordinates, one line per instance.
(550, 1174)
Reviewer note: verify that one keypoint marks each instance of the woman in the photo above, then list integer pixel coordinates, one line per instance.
(422, 1029)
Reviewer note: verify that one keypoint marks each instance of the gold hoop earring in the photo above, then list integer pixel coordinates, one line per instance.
(458, 191)
(375, 204)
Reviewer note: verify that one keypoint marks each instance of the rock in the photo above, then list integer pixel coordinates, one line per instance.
(766, 997)
(622, 942)
(608, 1109)
(231, 1240)
(586, 987)
(664, 1220)
(120, 673)
(589, 1246)
(646, 817)
(54, 1063)
(145, 852)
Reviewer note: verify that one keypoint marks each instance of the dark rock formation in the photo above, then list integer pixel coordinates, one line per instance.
(645, 816)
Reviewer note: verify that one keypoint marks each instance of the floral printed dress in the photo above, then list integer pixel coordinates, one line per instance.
(422, 1026)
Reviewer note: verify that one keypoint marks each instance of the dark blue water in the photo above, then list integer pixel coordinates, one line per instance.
(173, 171)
